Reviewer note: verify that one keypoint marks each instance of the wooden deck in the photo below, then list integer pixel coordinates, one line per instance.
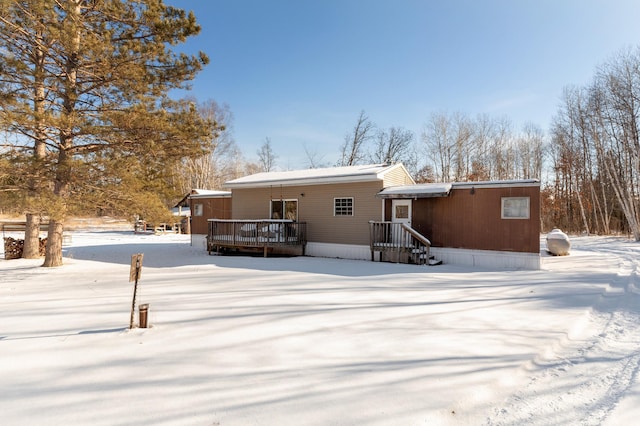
(266, 236)
(397, 242)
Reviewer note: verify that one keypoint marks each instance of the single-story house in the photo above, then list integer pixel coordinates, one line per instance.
(355, 212)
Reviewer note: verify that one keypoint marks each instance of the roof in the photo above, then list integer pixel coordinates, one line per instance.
(431, 190)
(348, 174)
(422, 190)
(206, 193)
(202, 193)
(498, 183)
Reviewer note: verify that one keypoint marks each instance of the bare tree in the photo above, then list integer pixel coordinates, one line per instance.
(437, 140)
(218, 165)
(392, 145)
(448, 141)
(531, 148)
(313, 158)
(266, 156)
(352, 151)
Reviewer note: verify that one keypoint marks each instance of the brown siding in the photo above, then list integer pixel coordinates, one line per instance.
(212, 208)
(396, 177)
(473, 220)
(316, 208)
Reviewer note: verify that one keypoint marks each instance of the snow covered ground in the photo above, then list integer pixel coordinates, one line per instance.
(308, 341)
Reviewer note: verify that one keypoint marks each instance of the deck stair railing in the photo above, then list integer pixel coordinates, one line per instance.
(401, 242)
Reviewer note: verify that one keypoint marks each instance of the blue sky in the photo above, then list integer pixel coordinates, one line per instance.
(299, 71)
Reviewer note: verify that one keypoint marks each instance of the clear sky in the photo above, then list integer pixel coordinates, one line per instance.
(300, 71)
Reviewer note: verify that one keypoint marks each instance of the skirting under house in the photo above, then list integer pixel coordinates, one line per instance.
(503, 260)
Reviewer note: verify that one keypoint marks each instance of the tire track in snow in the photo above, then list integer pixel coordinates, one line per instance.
(581, 383)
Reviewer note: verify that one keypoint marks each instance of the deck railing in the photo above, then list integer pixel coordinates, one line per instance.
(262, 233)
(398, 238)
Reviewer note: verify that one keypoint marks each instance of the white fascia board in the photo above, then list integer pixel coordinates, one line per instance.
(498, 184)
(305, 181)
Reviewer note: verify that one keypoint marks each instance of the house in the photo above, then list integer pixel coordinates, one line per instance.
(378, 212)
(492, 224)
(336, 204)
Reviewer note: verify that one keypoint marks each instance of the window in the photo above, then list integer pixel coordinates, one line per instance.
(515, 207)
(284, 209)
(343, 206)
(197, 209)
(402, 211)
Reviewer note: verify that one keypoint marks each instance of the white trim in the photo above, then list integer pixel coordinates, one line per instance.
(217, 194)
(502, 208)
(353, 205)
(503, 260)
(497, 184)
(340, 251)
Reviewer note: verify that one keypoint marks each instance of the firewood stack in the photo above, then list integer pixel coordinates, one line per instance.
(13, 247)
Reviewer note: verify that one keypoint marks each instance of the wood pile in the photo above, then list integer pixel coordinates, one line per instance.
(13, 247)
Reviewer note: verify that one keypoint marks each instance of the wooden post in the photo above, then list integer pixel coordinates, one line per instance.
(134, 275)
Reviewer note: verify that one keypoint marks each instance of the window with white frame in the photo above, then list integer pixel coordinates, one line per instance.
(343, 206)
(515, 208)
(197, 210)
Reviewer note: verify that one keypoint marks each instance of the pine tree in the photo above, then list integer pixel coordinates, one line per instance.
(103, 130)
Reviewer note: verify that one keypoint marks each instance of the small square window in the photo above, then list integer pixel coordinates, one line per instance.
(343, 206)
(402, 212)
(515, 207)
(197, 210)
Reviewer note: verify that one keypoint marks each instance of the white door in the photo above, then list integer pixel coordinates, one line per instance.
(401, 213)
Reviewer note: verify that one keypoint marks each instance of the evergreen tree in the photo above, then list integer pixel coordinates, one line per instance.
(85, 84)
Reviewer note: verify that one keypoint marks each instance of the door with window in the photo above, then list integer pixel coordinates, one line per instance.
(401, 213)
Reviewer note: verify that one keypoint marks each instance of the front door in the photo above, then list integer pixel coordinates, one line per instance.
(401, 213)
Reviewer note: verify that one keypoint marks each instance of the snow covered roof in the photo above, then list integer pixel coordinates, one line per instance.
(348, 174)
(207, 193)
(202, 193)
(431, 190)
(423, 190)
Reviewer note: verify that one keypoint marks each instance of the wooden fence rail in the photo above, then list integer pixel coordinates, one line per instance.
(255, 234)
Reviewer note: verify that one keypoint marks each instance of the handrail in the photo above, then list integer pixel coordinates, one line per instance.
(394, 237)
(418, 236)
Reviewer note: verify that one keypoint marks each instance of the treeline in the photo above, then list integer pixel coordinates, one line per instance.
(595, 152)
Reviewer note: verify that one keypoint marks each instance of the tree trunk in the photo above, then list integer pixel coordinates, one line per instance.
(53, 256)
(32, 237)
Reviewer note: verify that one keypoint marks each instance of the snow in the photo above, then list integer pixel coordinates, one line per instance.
(422, 190)
(346, 174)
(247, 340)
